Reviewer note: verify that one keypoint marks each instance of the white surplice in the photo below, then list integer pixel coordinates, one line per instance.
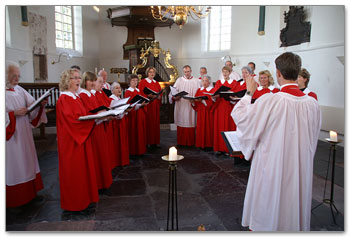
(184, 115)
(282, 130)
(21, 158)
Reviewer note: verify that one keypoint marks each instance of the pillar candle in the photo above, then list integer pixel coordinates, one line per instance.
(333, 136)
(172, 153)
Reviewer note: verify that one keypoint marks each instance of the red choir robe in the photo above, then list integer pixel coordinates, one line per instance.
(101, 151)
(102, 99)
(137, 126)
(222, 119)
(205, 119)
(152, 114)
(261, 91)
(308, 92)
(121, 138)
(77, 176)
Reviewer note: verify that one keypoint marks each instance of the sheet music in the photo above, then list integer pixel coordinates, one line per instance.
(233, 140)
(38, 101)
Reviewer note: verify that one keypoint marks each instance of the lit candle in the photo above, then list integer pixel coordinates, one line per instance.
(333, 136)
(96, 70)
(172, 153)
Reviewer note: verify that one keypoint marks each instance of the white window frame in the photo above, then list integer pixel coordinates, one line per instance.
(77, 31)
(205, 32)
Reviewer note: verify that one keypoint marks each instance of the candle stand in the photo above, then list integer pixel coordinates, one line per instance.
(172, 193)
(330, 201)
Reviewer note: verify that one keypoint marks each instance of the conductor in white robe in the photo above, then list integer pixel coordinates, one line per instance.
(279, 134)
(23, 179)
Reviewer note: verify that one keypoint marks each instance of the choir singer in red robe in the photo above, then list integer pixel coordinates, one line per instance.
(303, 81)
(120, 131)
(222, 110)
(137, 120)
(77, 174)
(205, 118)
(266, 85)
(153, 108)
(101, 151)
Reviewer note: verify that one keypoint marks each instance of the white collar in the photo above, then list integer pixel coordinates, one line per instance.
(306, 91)
(132, 89)
(149, 80)
(69, 93)
(289, 84)
(93, 91)
(208, 88)
(259, 88)
(85, 92)
(229, 81)
(184, 77)
(114, 97)
(271, 87)
(242, 82)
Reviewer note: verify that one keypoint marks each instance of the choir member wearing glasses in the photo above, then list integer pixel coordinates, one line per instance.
(153, 108)
(137, 120)
(77, 175)
(23, 179)
(101, 151)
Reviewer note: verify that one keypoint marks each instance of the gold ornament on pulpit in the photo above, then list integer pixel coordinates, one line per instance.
(156, 51)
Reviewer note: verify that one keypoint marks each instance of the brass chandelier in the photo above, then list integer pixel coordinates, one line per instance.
(179, 13)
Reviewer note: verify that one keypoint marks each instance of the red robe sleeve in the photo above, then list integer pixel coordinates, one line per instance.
(11, 128)
(68, 112)
(312, 94)
(36, 120)
(142, 87)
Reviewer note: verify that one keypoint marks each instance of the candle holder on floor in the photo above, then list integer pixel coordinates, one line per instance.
(172, 193)
(330, 201)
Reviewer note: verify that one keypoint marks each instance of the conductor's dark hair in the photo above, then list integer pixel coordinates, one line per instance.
(252, 64)
(289, 64)
(75, 67)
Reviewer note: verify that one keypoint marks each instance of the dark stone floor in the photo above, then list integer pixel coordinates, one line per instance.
(210, 192)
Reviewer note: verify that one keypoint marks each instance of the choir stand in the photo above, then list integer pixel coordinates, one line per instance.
(172, 193)
(330, 201)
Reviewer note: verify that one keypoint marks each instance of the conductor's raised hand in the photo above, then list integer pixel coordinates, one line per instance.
(251, 84)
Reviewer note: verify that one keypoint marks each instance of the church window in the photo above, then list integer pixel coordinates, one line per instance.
(64, 27)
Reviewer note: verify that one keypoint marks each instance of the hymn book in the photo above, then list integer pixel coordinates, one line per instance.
(112, 112)
(38, 101)
(107, 92)
(204, 97)
(226, 94)
(232, 142)
(174, 92)
(140, 99)
(118, 103)
(148, 91)
(221, 89)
